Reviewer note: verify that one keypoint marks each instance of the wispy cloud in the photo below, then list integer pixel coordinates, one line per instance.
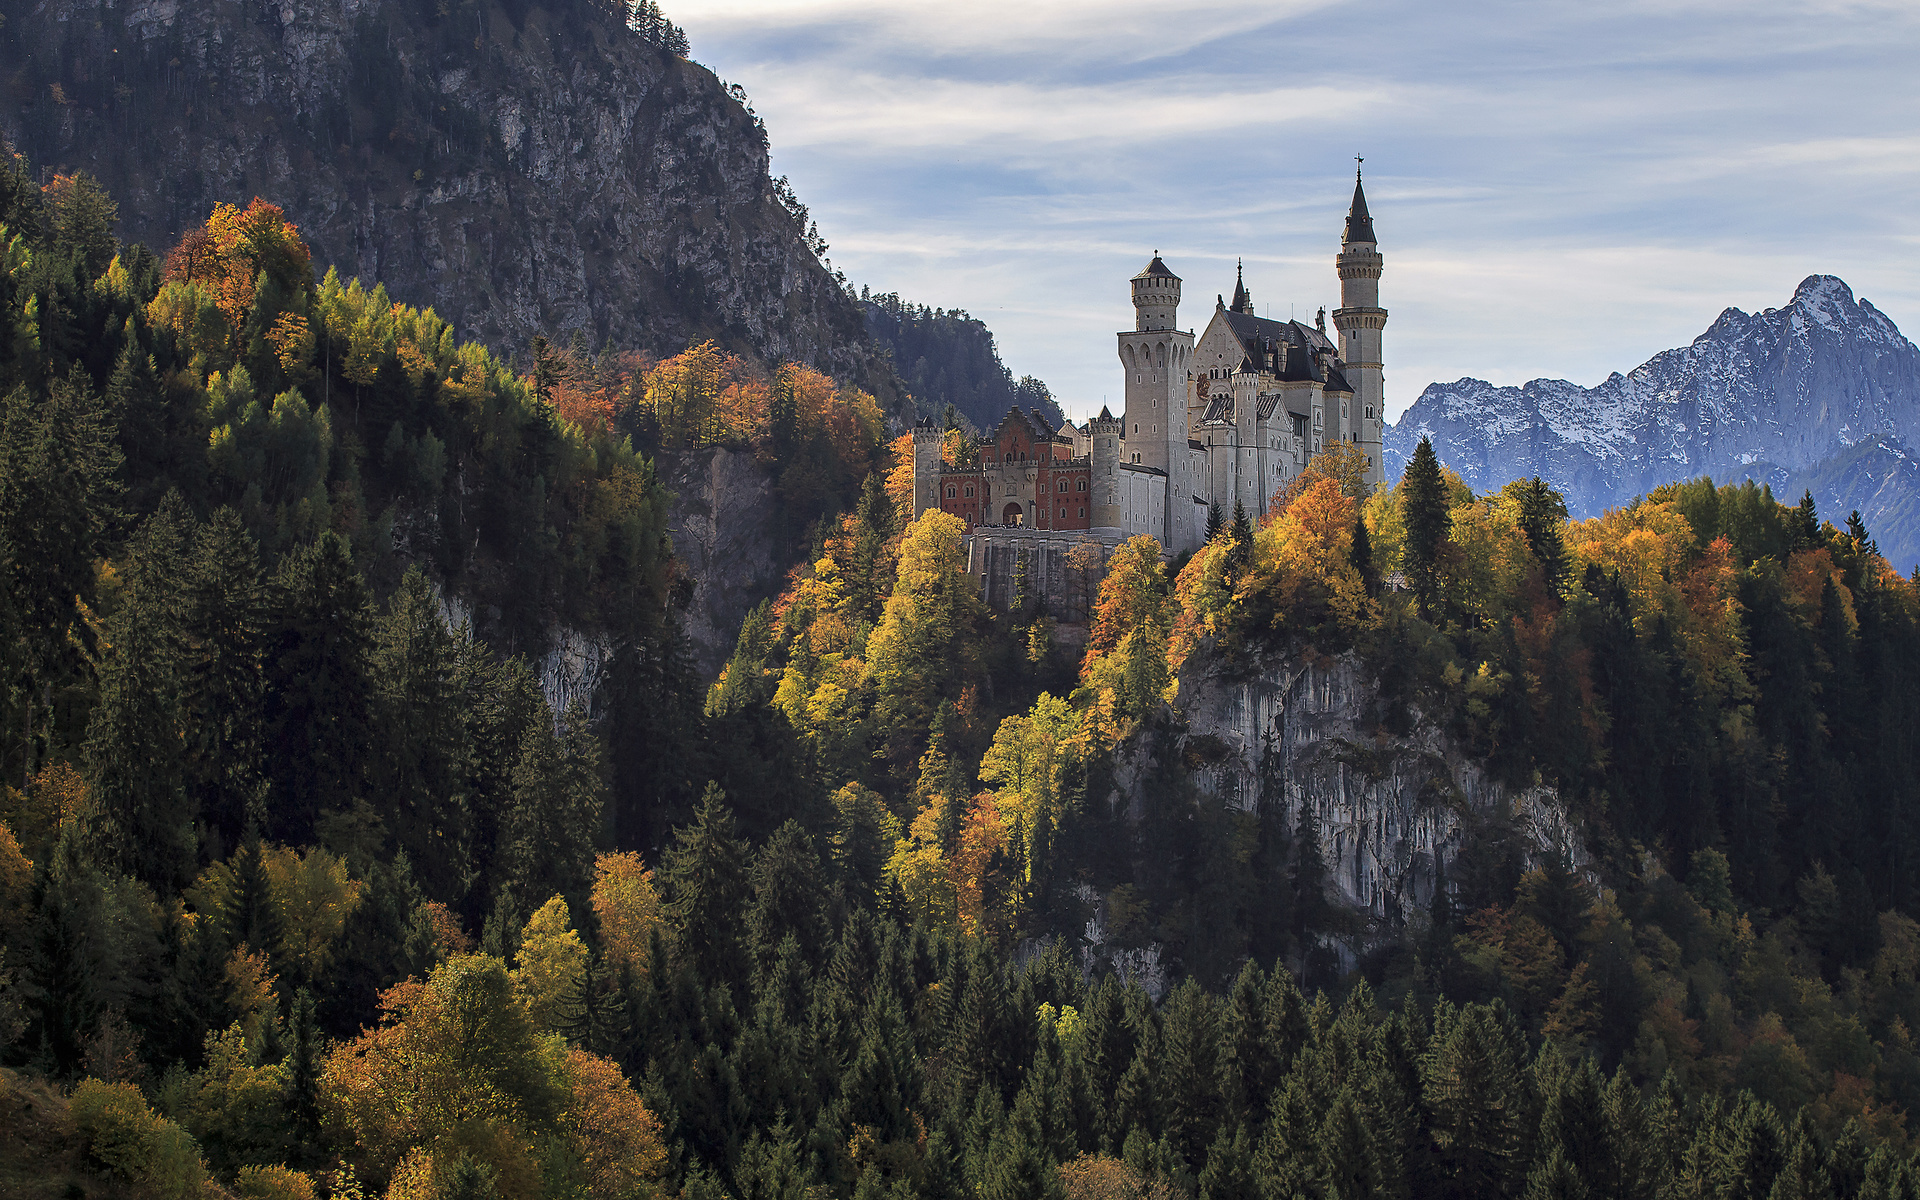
(1561, 188)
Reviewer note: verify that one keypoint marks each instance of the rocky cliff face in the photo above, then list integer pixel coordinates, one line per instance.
(1772, 395)
(1388, 809)
(520, 166)
(723, 533)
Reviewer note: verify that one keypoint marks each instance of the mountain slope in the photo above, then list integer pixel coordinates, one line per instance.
(519, 166)
(947, 356)
(1774, 395)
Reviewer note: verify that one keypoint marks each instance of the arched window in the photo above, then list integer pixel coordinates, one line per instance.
(950, 493)
(1083, 485)
(1083, 512)
(1062, 487)
(969, 491)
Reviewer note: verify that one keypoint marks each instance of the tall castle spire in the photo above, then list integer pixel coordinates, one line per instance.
(1242, 298)
(1360, 320)
(1359, 221)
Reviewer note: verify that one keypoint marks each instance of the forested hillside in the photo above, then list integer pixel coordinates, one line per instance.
(306, 889)
(947, 358)
(523, 167)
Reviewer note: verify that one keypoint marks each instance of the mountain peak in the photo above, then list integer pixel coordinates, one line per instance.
(1773, 395)
(1826, 298)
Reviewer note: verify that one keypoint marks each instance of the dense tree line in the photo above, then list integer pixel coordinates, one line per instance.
(950, 364)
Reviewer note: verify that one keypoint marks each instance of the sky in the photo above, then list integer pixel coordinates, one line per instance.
(1561, 189)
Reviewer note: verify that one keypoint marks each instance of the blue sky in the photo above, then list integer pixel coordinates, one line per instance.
(1560, 189)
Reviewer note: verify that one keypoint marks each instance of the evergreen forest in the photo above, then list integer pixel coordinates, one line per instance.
(318, 880)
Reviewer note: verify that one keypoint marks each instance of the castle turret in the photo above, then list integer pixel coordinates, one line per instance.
(1104, 432)
(926, 466)
(1242, 298)
(1360, 320)
(1157, 356)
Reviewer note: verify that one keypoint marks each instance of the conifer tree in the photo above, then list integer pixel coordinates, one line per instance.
(1215, 521)
(318, 657)
(1228, 1174)
(141, 805)
(789, 898)
(1424, 509)
(1542, 514)
(1018, 1165)
(1476, 1106)
(1190, 1072)
(705, 882)
(425, 762)
(226, 614)
(1361, 554)
(306, 1053)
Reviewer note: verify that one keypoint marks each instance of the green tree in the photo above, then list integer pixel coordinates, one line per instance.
(319, 706)
(1428, 521)
(706, 887)
(140, 803)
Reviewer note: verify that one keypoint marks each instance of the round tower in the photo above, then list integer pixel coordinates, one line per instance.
(1105, 469)
(926, 466)
(1156, 297)
(1360, 320)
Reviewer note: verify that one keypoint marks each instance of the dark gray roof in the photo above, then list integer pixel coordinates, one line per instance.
(1219, 408)
(1255, 332)
(1156, 267)
(1359, 222)
(1337, 381)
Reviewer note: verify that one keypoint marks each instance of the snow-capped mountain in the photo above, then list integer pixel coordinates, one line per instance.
(1822, 393)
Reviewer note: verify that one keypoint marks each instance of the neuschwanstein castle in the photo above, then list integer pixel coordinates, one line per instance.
(1230, 416)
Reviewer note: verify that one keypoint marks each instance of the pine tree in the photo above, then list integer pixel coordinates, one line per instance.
(1215, 521)
(1190, 1072)
(1361, 555)
(1806, 524)
(305, 1054)
(705, 883)
(248, 916)
(789, 898)
(319, 688)
(1476, 1105)
(1349, 1156)
(1287, 1161)
(140, 800)
(1424, 509)
(1018, 1164)
(1228, 1174)
(1542, 514)
(425, 762)
(226, 683)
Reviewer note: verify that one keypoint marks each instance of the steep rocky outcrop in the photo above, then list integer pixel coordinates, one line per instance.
(520, 166)
(1789, 396)
(1388, 809)
(723, 533)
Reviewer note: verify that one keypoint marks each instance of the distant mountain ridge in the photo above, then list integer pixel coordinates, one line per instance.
(1821, 394)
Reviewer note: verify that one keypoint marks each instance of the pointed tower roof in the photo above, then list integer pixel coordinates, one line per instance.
(1242, 301)
(1359, 221)
(1156, 267)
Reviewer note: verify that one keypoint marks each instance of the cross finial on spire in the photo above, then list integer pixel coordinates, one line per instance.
(1357, 160)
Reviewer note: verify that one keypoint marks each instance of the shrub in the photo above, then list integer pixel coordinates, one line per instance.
(132, 1141)
(272, 1183)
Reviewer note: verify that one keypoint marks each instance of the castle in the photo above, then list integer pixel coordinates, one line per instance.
(1231, 416)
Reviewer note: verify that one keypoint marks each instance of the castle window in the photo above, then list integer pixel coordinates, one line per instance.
(950, 493)
(1083, 485)
(1083, 512)
(1063, 512)
(1062, 487)
(969, 491)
